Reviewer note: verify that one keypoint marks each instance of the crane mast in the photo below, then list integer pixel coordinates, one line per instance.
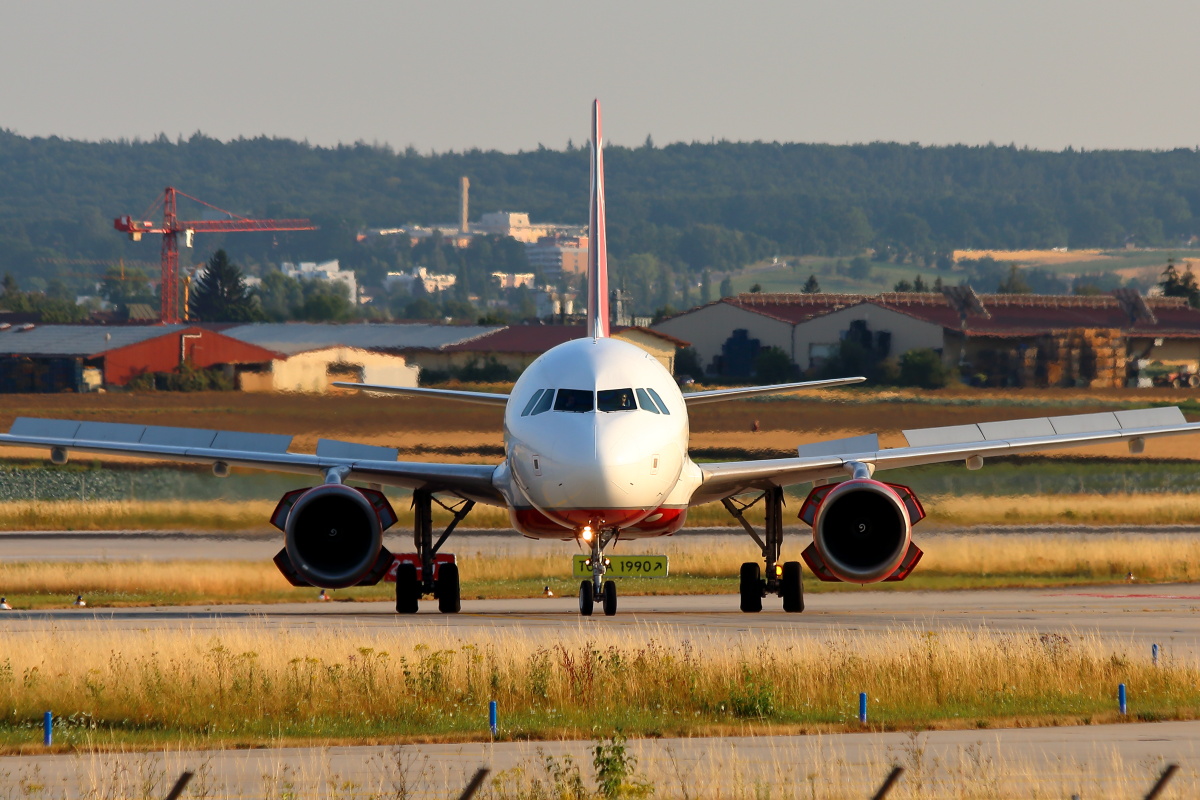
(172, 227)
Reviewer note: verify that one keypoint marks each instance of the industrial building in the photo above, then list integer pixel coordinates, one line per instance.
(302, 357)
(1003, 340)
(78, 358)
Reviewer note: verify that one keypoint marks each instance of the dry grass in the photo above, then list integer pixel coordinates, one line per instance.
(812, 768)
(966, 510)
(258, 683)
(1080, 509)
(1039, 257)
(1038, 558)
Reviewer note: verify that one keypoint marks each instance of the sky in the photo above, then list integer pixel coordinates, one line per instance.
(511, 76)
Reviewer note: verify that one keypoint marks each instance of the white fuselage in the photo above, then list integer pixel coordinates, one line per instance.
(596, 434)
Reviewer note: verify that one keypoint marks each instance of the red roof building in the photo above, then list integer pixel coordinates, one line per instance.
(1013, 339)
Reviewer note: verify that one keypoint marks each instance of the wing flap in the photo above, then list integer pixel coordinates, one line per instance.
(332, 448)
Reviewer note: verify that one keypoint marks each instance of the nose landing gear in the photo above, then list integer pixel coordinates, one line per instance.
(596, 586)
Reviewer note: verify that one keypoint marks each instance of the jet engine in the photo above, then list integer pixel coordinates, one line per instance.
(862, 531)
(333, 536)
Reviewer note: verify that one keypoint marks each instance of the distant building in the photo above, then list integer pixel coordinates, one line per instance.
(513, 280)
(431, 281)
(550, 303)
(323, 271)
(558, 254)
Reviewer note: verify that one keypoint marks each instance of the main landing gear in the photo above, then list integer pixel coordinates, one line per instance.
(596, 587)
(445, 586)
(781, 579)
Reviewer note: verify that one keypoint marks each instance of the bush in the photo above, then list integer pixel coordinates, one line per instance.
(924, 368)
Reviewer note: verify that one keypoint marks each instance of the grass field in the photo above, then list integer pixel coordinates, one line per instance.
(1113, 508)
(1145, 265)
(701, 567)
(250, 685)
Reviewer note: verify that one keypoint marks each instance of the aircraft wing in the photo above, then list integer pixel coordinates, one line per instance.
(482, 398)
(719, 395)
(827, 460)
(267, 451)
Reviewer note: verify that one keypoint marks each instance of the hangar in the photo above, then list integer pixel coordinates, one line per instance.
(76, 358)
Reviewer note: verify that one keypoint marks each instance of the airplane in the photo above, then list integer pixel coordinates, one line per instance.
(596, 451)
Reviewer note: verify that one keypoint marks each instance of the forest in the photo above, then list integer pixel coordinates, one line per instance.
(675, 212)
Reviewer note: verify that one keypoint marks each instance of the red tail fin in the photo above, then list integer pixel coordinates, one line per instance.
(597, 277)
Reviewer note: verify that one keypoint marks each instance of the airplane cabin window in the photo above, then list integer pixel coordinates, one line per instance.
(532, 402)
(544, 404)
(578, 401)
(659, 401)
(645, 402)
(615, 400)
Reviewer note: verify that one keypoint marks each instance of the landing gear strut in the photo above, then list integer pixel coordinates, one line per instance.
(780, 579)
(596, 587)
(445, 587)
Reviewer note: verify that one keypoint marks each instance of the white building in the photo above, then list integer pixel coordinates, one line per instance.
(432, 281)
(323, 271)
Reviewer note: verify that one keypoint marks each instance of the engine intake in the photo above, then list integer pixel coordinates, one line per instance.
(862, 530)
(333, 535)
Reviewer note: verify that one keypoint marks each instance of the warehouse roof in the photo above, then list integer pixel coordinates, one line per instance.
(1006, 314)
(83, 341)
(300, 337)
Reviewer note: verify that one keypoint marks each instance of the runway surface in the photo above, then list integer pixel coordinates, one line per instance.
(1137, 616)
(1091, 761)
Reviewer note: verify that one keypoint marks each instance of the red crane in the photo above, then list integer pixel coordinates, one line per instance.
(172, 226)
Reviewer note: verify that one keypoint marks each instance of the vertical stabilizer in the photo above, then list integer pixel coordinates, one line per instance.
(597, 277)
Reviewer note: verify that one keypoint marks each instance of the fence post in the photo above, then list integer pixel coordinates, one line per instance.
(48, 728)
(888, 783)
(179, 786)
(1163, 779)
(1121, 699)
(474, 784)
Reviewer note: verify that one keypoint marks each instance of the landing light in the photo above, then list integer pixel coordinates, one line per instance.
(586, 533)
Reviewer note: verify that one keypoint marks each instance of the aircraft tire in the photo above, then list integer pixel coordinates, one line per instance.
(610, 598)
(448, 589)
(407, 589)
(792, 587)
(750, 588)
(586, 598)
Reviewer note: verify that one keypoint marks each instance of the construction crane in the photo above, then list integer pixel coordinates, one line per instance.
(172, 226)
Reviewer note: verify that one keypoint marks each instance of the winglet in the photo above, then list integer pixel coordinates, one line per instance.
(597, 308)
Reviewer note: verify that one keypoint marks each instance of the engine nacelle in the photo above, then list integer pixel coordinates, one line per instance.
(333, 536)
(862, 530)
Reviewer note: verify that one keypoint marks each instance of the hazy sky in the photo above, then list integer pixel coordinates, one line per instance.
(452, 75)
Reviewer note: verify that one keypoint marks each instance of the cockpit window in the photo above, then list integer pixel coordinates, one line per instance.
(532, 402)
(645, 402)
(543, 405)
(615, 400)
(662, 406)
(576, 400)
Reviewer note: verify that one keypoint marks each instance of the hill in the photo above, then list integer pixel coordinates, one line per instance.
(691, 206)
